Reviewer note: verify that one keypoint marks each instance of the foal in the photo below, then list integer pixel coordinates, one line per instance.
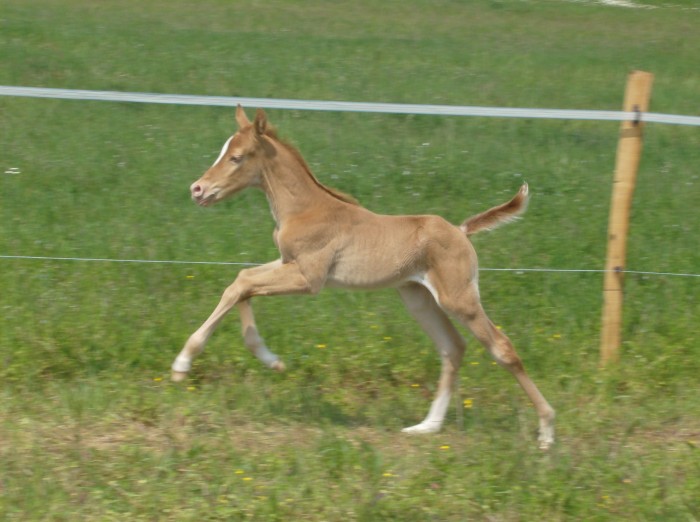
(326, 238)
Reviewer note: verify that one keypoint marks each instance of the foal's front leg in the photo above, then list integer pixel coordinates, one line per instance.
(253, 341)
(273, 278)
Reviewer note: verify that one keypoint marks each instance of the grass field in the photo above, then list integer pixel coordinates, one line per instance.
(92, 429)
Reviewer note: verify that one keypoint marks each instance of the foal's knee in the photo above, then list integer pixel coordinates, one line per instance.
(252, 339)
(235, 292)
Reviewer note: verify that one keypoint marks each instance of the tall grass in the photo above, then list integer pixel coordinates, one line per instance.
(90, 426)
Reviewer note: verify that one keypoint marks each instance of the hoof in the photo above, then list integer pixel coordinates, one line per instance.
(423, 428)
(178, 376)
(278, 366)
(545, 443)
(546, 432)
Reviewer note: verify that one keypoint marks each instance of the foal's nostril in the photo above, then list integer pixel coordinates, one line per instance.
(196, 190)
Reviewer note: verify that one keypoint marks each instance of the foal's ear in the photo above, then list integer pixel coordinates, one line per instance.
(260, 122)
(241, 117)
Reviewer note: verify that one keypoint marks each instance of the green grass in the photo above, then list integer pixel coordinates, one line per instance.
(90, 426)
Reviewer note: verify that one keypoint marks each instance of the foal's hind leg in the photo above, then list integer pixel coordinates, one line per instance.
(466, 306)
(449, 343)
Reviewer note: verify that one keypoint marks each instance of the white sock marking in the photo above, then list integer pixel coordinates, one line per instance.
(182, 364)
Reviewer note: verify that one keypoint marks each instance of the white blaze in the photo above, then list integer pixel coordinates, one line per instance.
(223, 151)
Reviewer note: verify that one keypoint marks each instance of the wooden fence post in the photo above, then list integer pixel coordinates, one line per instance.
(629, 150)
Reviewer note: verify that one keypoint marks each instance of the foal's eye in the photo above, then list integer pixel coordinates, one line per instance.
(236, 158)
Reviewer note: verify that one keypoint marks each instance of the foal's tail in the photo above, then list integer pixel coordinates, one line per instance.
(497, 216)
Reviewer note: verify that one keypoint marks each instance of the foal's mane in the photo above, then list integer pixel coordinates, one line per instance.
(342, 196)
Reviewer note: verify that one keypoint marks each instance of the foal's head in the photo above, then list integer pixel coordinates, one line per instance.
(240, 163)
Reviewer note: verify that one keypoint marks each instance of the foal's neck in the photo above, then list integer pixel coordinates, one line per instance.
(290, 187)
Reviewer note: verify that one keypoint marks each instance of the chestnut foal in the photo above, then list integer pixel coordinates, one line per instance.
(326, 238)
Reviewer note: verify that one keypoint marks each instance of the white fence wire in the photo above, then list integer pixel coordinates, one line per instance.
(340, 106)
(244, 264)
